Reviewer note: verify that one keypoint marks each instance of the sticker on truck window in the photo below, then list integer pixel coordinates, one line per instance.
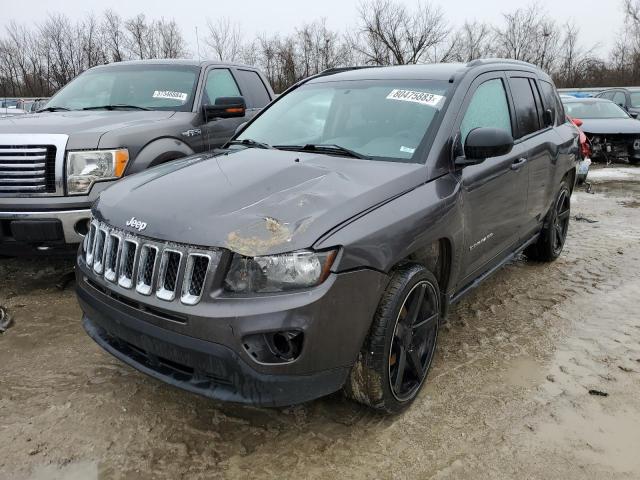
(404, 149)
(169, 95)
(423, 98)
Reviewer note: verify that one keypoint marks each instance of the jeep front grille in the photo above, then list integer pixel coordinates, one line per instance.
(27, 169)
(169, 269)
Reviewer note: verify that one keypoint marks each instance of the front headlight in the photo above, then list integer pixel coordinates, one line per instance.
(278, 273)
(84, 168)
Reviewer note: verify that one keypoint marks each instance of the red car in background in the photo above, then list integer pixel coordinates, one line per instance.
(585, 152)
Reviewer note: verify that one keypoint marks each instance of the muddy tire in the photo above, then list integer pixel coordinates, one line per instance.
(399, 348)
(556, 226)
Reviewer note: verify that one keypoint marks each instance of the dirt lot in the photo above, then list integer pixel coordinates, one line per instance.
(508, 396)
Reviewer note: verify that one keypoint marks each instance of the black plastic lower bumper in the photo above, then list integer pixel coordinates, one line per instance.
(203, 367)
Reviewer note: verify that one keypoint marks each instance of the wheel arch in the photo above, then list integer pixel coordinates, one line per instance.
(159, 151)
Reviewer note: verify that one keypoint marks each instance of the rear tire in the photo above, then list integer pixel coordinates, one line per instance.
(554, 233)
(399, 348)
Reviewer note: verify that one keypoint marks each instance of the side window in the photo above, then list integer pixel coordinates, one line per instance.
(619, 99)
(488, 108)
(220, 83)
(549, 99)
(257, 93)
(607, 95)
(526, 112)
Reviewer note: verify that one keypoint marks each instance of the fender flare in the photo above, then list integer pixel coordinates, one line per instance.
(157, 152)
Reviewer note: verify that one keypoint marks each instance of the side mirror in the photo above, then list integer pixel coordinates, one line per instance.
(483, 143)
(225, 107)
(577, 122)
(548, 117)
(633, 114)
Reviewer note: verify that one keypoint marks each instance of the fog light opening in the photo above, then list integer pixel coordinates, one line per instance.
(82, 226)
(274, 347)
(287, 344)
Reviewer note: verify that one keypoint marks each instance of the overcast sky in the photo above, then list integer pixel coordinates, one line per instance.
(599, 20)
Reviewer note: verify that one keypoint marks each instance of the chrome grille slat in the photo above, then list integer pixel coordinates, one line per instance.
(194, 278)
(20, 173)
(27, 169)
(168, 275)
(99, 250)
(114, 244)
(174, 272)
(146, 269)
(127, 262)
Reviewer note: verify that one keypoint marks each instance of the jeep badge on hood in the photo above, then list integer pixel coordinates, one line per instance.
(137, 224)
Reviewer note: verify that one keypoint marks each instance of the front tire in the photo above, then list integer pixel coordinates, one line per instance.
(399, 348)
(554, 233)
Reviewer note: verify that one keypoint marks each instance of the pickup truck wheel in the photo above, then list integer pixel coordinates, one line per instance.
(399, 348)
(551, 242)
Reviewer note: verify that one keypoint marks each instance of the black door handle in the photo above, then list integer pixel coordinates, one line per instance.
(518, 163)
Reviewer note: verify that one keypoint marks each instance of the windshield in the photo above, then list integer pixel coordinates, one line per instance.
(594, 110)
(153, 87)
(383, 120)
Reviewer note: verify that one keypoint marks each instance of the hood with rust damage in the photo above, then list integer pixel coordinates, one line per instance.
(253, 202)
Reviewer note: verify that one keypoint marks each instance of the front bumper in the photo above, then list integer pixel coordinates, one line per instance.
(204, 353)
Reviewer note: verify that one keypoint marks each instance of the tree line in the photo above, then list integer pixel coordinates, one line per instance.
(38, 60)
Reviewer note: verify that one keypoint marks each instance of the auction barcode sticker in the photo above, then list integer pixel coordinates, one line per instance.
(169, 95)
(423, 98)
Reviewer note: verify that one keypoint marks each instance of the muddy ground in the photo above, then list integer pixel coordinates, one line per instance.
(508, 396)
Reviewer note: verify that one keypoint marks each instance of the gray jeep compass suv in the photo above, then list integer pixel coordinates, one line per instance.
(319, 251)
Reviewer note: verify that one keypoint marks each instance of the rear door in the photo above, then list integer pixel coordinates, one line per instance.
(531, 98)
(495, 191)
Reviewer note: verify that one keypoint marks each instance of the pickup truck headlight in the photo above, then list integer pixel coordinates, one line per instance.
(86, 167)
(279, 273)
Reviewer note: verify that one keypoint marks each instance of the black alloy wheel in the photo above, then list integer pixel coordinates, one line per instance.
(413, 342)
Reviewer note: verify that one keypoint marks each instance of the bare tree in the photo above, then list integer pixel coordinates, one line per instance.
(113, 35)
(392, 34)
(225, 40)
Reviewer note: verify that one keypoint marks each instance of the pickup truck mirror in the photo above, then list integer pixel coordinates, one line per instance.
(633, 114)
(225, 107)
(483, 143)
(548, 117)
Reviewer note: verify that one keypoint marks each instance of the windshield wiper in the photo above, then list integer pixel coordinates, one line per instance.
(328, 148)
(116, 106)
(53, 109)
(248, 142)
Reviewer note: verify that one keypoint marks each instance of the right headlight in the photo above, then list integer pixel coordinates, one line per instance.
(85, 167)
(279, 273)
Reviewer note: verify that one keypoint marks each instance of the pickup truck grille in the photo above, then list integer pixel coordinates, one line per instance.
(27, 169)
(147, 266)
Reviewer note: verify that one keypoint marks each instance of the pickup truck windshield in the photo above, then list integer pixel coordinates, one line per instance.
(152, 87)
(374, 119)
(594, 110)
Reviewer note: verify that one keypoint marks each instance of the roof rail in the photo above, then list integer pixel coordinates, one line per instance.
(488, 61)
(332, 71)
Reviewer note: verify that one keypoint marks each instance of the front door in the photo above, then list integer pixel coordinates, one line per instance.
(216, 132)
(494, 192)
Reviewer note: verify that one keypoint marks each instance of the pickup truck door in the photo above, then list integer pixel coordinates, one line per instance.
(218, 82)
(494, 192)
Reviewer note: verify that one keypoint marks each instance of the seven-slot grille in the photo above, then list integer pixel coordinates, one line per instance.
(27, 169)
(131, 261)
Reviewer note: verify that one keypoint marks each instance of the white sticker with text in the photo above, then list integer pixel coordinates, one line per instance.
(169, 95)
(423, 98)
(404, 149)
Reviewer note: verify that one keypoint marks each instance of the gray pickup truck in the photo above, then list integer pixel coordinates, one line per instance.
(112, 120)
